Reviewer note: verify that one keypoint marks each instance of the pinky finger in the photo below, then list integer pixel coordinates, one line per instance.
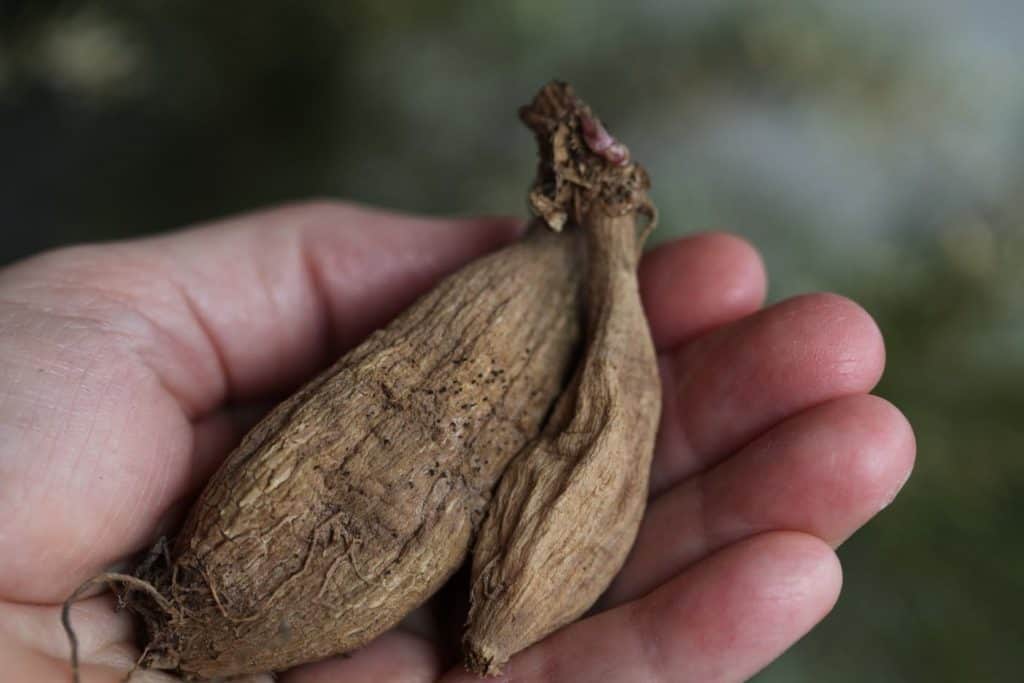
(722, 620)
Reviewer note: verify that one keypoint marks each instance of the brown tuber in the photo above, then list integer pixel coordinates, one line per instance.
(567, 510)
(353, 501)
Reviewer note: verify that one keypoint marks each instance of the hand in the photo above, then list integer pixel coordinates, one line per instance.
(129, 370)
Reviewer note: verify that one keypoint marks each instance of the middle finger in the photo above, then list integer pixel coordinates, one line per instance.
(724, 389)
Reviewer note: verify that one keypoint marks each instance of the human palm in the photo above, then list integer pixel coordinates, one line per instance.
(129, 370)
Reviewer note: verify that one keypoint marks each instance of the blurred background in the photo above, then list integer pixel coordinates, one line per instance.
(873, 148)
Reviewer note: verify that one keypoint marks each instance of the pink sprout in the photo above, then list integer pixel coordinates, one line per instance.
(601, 142)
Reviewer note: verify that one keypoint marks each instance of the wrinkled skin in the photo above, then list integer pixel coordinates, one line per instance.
(129, 370)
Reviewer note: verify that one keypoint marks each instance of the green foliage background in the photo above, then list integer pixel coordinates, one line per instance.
(871, 149)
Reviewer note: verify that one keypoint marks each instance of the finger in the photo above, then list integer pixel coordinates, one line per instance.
(395, 657)
(824, 472)
(697, 283)
(722, 620)
(724, 389)
(253, 304)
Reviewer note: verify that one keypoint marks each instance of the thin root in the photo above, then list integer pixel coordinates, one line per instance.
(110, 578)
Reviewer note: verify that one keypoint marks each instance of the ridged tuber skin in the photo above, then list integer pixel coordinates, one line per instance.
(567, 510)
(354, 500)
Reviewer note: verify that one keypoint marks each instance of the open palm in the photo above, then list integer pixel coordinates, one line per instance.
(129, 370)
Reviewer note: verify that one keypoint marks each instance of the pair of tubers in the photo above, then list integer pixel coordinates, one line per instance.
(473, 415)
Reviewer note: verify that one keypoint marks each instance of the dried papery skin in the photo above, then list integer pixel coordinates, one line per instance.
(567, 510)
(354, 500)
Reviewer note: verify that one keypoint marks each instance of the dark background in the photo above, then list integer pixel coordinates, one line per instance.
(872, 148)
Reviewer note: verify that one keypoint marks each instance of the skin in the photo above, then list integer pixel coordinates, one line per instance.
(128, 370)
